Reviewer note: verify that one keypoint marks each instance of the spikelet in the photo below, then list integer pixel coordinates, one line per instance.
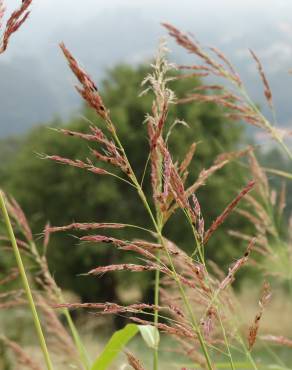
(188, 158)
(85, 226)
(17, 213)
(2, 11)
(259, 175)
(220, 219)
(267, 89)
(253, 330)
(239, 105)
(88, 91)
(237, 265)
(121, 267)
(194, 47)
(277, 340)
(197, 218)
(110, 308)
(134, 362)
(77, 163)
(17, 18)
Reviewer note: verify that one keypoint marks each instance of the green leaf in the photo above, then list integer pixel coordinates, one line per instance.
(115, 344)
(150, 334)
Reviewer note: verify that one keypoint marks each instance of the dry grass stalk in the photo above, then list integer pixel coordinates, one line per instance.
(229, 156)
(13, 304)
(239, 106)
(282, 199)
(21, 356)
(2, 12)
(85, 226)
(208, 324)
(135, 248)
(46, 237)
(19, 216)
(58, 336)
(176, 330)
(204, 175)
(21, 244)
(220, 219)
(17, 18)
(122, 267)
(197, 218)
(267, 89)
(77, 163)
(237, 265)
(177, 180)
(187, 160)
(259, 175)
(16, 293)
(253, 330)
(89, 91)
(159, 155)
(12, 299)
(254, 220)
(260, 210)
(113, 155)
(110, 308)
(282, 341)
(50, 290)
(133, 361)
(10, 276)
(214, 67)
(124, 245)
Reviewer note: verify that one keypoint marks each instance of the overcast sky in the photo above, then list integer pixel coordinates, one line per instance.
(220, 21)
(102, 33)
(231, 17)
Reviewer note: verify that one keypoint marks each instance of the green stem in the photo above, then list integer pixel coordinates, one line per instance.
(237, 323)
(156, 316)
(199, 246)
(247, 353)
(140, 191)
(79, 345)
(226, 342)
(269, 127)
(194, 323)
(26, 284)
(77, 340)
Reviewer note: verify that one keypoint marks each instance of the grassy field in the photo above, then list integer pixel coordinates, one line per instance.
(96, 331)
(171, 359)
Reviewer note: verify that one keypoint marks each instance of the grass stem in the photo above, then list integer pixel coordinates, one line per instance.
(26, 285)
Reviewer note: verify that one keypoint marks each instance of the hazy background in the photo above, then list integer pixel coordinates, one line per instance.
(37, 86)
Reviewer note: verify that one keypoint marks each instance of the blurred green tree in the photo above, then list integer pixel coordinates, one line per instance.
(61, 194)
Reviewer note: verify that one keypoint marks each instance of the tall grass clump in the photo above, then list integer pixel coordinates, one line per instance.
(193, 299)
(17, 18)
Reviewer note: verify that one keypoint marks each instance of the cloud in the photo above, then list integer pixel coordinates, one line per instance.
(277, 56)
(285, 28)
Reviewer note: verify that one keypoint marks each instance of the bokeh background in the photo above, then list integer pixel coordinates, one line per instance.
(115, 41)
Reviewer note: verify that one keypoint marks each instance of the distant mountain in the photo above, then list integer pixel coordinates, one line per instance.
(36, 84)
